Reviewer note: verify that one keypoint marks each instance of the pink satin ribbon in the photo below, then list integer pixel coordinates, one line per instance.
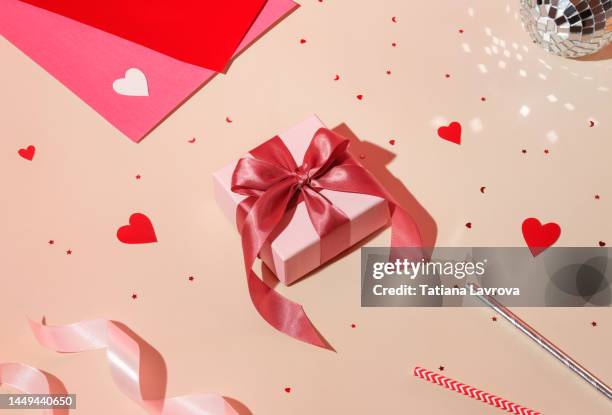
(274, 184)
(28, 379)
(129, 369)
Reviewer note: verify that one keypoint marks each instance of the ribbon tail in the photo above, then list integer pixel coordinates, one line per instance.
(283, 314)
(259, 223)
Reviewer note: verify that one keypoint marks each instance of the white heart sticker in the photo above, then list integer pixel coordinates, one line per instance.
(134, 84)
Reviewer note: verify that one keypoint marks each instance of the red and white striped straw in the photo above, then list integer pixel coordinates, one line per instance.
(473, 392)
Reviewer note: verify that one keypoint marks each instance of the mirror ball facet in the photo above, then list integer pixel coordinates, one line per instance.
(568, 28)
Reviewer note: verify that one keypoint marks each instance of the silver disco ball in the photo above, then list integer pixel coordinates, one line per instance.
(569, 28)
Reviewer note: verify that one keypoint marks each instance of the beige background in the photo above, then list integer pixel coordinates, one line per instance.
(80, 188)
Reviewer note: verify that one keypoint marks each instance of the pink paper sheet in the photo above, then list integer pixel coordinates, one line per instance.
(88, 61)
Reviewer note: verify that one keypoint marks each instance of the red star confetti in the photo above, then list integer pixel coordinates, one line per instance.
(191, 278)
(134, 296)
(288, 389)
(69, 252)
(138, 177)
(494, 318)
(441, 368)
(593, 323)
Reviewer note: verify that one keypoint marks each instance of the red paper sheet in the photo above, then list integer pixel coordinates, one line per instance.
(201, 32)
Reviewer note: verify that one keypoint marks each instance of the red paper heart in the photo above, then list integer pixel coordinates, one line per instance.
(288, 390)
(539, 237)
(27, 153)
(139, 231)
(451, 133)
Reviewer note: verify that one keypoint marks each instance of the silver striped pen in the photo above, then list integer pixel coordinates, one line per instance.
(545, 343)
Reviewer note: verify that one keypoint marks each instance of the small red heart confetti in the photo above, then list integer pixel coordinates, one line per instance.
(546, 151)
(191, 278)
(447, 75)
(337, 77)
(392, 142)
(468, 225)
(483, 99)
(138, 177)
(288, 390)
(482, 189)
(394, 44)
(27, 153)
(353, 325)
(524, 151)
(69, 252)
(602, 243)
(193, 140)
(394, 19)
(228, 120)
(596, 197)
(451, 133)
(139, 231)
(359, 97)
(494, 318)
(51, 242)
(134, 296)
(388, 72)
(593, 323)
(460, 30)
(302, 41)
(539, 237)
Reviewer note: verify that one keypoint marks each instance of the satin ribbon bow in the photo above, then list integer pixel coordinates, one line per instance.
(274, 184)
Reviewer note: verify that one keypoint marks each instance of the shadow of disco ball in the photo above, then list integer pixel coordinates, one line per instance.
(568, 28)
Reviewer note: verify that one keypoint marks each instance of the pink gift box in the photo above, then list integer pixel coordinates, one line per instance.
(296, 249)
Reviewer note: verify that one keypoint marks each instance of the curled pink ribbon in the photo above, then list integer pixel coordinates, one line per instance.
(28, 379)
(136, 367)
(274, 184)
